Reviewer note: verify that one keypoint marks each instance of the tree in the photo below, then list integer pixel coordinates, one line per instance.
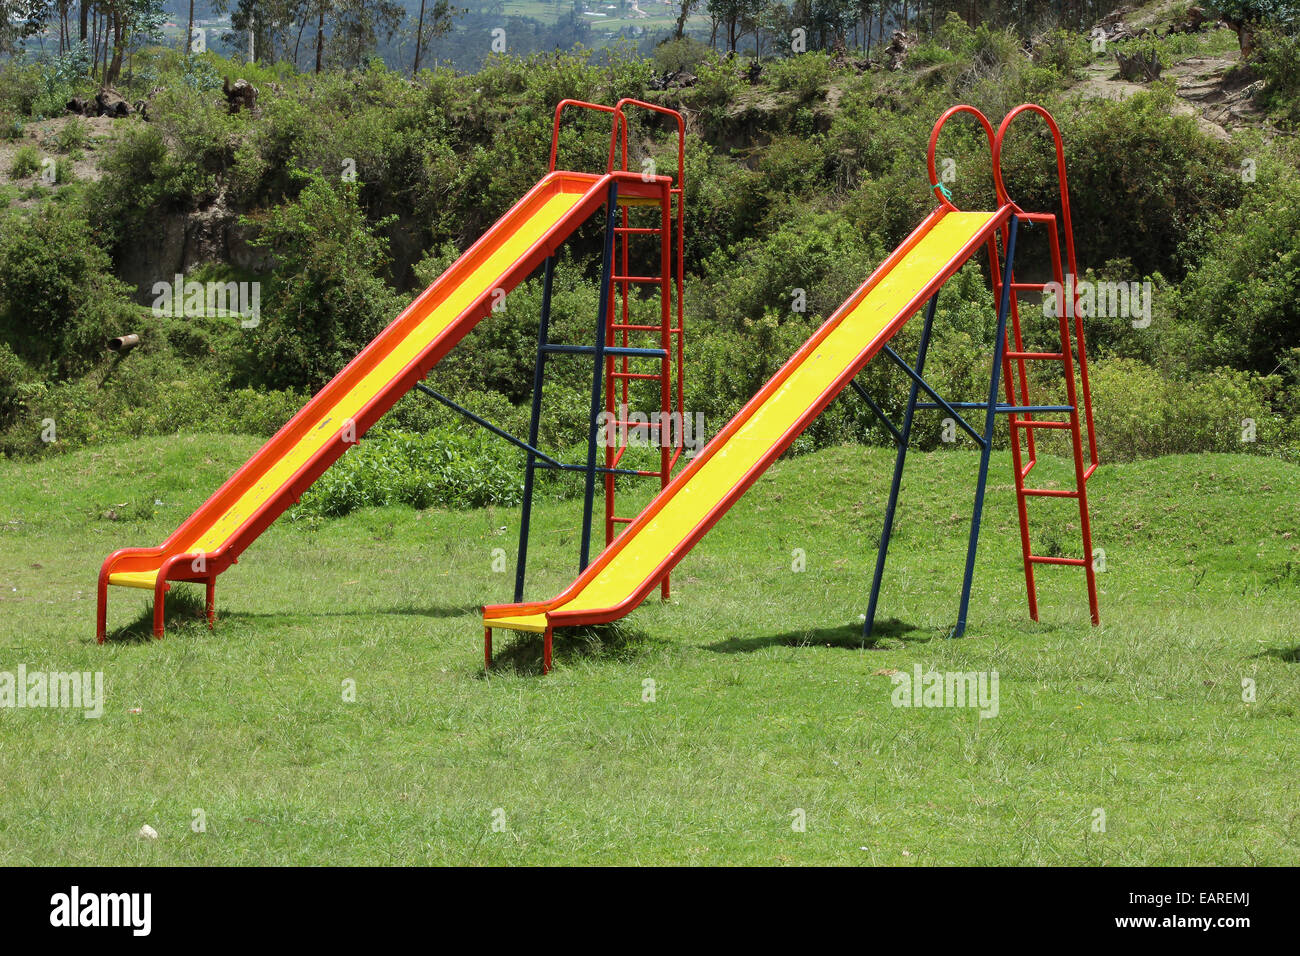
(731, 15)
(440, 23)
(1246, 17)
(358, 24)
(683, 14)
(20, 20)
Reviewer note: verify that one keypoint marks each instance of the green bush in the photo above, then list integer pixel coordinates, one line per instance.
(1244, 291)
(326, 299)
(804, 74)
(13, 375)
(1141, 414)
(72, 136)
(676, 54)
(1276, 58)
(26, 162)
(448, 468)
(57, 290)
(142, 178)
(1062, 51)
(1142, 177)
(11, 126)
(717, 88)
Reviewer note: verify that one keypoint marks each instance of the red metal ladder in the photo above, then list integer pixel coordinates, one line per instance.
(1023, 426)
(623, 331)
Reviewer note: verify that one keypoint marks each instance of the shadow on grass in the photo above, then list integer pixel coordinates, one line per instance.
(184, 612)
(885, 635)
(520, 652)
(438, 611)
(1289, 655)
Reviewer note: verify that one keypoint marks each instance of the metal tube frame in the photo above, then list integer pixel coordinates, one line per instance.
(902, 436)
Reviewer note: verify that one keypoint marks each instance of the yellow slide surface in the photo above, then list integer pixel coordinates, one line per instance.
(511, 241)
(666, 527)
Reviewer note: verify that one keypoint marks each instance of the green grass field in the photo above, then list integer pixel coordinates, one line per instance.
(766, 702)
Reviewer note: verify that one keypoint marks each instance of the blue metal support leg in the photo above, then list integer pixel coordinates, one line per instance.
(606, 286)
(534, 423)
(990, 416)
(904, 434)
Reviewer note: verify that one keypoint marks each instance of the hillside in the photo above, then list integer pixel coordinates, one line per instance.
(341, 194)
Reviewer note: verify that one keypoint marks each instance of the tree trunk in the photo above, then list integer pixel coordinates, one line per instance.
(419, 38)
(298, 42)
(82, 21)
(115, 66)
(320, 38)
(1245, 30)
(189, 31)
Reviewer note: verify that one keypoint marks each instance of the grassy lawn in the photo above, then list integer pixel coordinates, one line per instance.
(766, 702)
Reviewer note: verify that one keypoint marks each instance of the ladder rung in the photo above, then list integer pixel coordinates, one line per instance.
(639, 425)
(637, 375)
(1028, 286)
(1049, 492)
(1018, 423)
(638, 278)
(1058, 356)
(609, 350)
(629, 520)
(1088, 474)
(638, 230)
(644, 328)
(1044, 559)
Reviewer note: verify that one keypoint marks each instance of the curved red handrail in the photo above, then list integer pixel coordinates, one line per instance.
(1005, 197)
(582, 104)
(1067, 226)
(934, 142)
(662, 110)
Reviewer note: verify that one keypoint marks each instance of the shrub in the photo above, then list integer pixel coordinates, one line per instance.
(73, 135)
(719, 85)
(1276, 59)
(13, 373)
(676, 54)
(804, 75)
(1139, 174)
(142, 178)
(1063, 52)
(451, 468)
(325, 299)
(26, 162)
(11, 126)
(1244, 292)
(57, 288)
(1141, 414)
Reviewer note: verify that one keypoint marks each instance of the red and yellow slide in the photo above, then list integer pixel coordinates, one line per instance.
(630, 568)
(212, 538)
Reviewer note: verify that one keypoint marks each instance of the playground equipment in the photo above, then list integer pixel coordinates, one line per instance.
(642, 556)
(212, 538)
(652, 544)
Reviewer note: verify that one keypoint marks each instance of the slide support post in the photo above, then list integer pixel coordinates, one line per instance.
(534, 424)
(902, 437)
(990, 416)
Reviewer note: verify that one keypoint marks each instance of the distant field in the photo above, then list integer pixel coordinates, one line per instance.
(613, 17)
(766, 703)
